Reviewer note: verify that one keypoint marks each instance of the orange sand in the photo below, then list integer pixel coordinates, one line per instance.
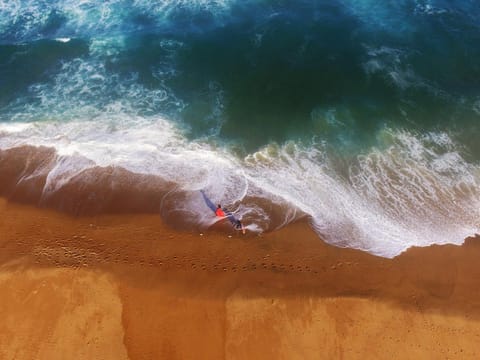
(127, 286)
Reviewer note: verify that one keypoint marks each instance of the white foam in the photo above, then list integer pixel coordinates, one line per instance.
(142, 146)
(415, 191)
(84, 18)
(428, 7)
(394, 66)
(406, 195)
(85, 89)
(25, 16)
(11, 128)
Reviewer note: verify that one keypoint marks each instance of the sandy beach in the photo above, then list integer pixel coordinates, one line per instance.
(129, 287)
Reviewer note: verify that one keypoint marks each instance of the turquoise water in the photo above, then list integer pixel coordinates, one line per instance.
(362, 115)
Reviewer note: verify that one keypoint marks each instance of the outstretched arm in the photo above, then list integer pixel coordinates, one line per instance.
(209, 203)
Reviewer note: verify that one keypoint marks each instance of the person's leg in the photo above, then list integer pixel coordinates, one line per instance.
(230, 217)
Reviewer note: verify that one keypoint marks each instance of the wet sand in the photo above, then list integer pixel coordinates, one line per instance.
(127, 286)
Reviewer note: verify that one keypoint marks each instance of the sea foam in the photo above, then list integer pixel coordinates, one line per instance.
(407, 194)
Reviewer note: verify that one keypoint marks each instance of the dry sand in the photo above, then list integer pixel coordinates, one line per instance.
(127, 286)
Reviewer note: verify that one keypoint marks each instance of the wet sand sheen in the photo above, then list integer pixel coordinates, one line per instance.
(127, 286)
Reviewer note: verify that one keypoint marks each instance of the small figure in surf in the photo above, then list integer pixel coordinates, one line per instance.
(224, 213)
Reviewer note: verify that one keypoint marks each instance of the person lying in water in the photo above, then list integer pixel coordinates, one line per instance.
(220, 212)
(224, 213)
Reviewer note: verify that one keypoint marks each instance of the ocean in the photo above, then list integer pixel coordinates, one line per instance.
(360, 116)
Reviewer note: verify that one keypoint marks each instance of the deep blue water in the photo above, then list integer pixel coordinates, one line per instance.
(254, 71)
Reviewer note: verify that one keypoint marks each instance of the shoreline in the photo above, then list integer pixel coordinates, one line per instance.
(41, 177)
(91, 190)
(143, 289)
